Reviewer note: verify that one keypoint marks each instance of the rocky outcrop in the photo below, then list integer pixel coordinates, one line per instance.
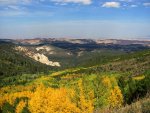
(37, 56)
(43, 59)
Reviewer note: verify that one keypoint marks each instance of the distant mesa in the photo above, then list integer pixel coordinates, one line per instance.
(81, 41)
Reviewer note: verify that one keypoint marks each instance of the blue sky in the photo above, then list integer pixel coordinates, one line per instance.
(124, 19)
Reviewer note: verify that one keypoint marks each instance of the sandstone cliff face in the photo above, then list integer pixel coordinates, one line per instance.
(43, 59)
(37, 56)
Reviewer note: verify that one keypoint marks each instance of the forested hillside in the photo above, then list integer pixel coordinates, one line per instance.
(100, 81)
(14, 63)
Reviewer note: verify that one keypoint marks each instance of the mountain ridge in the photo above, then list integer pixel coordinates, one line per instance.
(36, 41)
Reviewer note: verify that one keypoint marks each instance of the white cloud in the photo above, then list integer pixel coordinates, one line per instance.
(111, 4)
(146, 4)
(85, 2)
(133, 5)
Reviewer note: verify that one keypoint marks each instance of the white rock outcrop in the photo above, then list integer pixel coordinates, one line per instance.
(37, 56)
(43, 59)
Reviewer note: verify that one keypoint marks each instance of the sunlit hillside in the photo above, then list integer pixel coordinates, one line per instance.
(117, 85)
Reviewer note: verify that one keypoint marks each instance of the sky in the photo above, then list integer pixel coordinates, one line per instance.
(123, 19)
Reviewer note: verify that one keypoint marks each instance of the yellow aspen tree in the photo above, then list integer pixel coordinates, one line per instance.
(106, 82)
(116, 98)
(85, 105)
(20, 106)
(49, 100)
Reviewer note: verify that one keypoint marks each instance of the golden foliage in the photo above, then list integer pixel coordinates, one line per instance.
(10, 98)
(14, 89)
(139, 77)
(20, 106)
(62, 100)
(116, 98)
(106, 81)
(49, 100)
(86, 106)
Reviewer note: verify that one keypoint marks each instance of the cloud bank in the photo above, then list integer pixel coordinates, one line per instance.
(111, 4)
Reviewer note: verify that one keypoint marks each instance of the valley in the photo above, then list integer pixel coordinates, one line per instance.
(65, 75)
